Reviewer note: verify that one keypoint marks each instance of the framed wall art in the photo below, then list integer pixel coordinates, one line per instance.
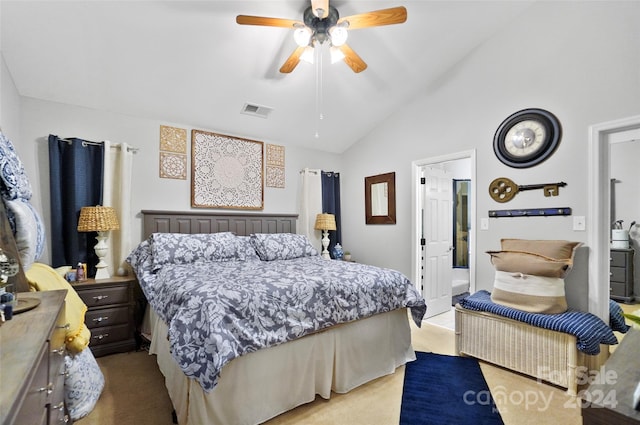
(226, 172)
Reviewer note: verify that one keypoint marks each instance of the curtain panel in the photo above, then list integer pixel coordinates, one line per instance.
(76, 175)
(118, 168)
(310, 205)
(331, 205)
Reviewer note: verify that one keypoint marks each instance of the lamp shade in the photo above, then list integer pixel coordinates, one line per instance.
(325, 222)
(97, 219)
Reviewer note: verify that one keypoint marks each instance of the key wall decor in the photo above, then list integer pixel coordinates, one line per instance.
(503, 189)
(226, 171)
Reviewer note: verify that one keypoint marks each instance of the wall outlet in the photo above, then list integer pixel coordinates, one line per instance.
(579, 223)
(484, 223)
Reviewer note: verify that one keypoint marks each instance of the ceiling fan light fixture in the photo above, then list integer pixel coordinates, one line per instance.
(302, 36)
(336, 54)
(338, 35)
(308, 55)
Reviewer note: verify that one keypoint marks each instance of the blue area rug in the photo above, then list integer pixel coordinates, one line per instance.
(441, 389)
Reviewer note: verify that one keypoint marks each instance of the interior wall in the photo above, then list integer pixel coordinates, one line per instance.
(151, 192)
(9, 103)
(582, 67)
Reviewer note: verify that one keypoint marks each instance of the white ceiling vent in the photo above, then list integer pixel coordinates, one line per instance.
(256, 110)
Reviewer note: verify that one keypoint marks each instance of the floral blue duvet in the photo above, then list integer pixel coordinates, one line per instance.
(221, 306)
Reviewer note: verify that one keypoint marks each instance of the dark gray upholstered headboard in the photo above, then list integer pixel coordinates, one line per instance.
(206, 222)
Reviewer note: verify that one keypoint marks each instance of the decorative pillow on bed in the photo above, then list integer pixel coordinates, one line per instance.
(16, 183)
(535, 294)
(528, 263)
(282, 246)
(246, 247)
(29, 231)
(179, 248)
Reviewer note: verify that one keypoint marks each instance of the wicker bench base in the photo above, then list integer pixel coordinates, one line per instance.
(543, 354)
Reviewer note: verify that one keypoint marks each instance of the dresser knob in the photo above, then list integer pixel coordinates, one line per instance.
(101, 336)
(100, 297)
(100, 319)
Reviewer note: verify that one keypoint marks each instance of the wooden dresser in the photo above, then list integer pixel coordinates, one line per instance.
(111, 313)
(32, 363)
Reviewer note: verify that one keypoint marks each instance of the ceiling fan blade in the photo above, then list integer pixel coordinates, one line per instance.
(395, 15)
(292, 61)
(267, 22)
(352, 59)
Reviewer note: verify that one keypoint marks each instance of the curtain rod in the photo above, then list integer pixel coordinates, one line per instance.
(86, 143)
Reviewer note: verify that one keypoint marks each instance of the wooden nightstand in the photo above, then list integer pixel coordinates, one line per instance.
(110, 316)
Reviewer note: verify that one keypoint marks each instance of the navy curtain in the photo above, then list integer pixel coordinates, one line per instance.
(75, 176)
(331, 205)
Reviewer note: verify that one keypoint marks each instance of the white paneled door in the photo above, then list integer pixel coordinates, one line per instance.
(437, 235)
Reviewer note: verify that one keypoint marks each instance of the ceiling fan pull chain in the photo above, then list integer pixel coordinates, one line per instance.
(318, 90)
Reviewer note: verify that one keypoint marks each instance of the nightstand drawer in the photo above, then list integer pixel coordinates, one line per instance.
(618, 289)
(617, 274)
(617, 259)
(107, 334)
(107, 317)
(105, 296)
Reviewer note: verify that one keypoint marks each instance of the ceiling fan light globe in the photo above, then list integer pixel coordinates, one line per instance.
(302, 36)
(308, 55)
(338, 35)
(336, 54)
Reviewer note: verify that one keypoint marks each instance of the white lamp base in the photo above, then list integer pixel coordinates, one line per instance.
(325, 245)
(101, 248)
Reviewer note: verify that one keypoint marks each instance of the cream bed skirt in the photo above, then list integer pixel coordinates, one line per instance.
(266, 383)
(544, 354)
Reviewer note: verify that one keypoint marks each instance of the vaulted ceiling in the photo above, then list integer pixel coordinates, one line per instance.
(189, 63)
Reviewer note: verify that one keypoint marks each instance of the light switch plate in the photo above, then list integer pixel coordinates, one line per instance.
(579, 223)
(484, 223)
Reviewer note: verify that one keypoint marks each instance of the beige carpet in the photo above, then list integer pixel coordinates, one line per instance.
(135, 394)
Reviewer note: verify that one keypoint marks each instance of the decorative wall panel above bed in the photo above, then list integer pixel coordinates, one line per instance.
(206, 222)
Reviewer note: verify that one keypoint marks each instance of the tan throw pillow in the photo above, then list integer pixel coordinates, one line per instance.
(534, 294)
(556, 249)
(528, 263)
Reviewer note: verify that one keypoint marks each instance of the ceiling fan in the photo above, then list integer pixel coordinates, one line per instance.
(321, 22)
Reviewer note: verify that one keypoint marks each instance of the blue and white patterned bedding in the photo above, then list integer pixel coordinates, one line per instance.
(589, 329)
(219, 310)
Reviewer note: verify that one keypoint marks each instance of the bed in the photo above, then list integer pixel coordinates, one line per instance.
(226, 375)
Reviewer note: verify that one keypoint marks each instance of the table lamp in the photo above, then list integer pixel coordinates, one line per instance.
(99, 219)
(325, 222)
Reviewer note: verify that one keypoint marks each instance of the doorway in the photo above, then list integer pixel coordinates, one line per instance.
(600, 138)
(427, 273)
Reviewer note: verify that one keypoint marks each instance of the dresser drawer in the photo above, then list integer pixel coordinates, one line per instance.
(34, 410)
(105, 296)
(109, 334)
(617, 259)
(107, 317)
